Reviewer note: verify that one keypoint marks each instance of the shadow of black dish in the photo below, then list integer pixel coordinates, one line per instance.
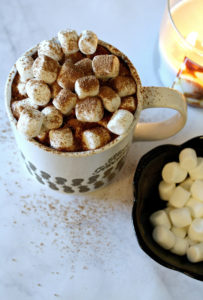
(147, 201)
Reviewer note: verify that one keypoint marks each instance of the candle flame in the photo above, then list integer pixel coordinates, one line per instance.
(192, 38)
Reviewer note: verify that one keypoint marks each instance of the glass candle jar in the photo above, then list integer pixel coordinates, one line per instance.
(180, 42)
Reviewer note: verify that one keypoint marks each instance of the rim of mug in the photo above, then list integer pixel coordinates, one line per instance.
(190, 46)
(114, 142)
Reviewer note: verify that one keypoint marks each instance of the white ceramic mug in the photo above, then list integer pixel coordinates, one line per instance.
(78, 172)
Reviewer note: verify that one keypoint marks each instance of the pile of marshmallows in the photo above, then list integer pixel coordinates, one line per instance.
(54, 91)
(179, 227)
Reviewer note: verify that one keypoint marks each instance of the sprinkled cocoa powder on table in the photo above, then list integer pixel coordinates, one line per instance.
(73, 227)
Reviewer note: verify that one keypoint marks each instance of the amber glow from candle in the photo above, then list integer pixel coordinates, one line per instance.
(192, 39)
(181, 36)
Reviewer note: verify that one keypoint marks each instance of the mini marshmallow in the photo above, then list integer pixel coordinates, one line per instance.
(179, 197)
(188, 159)
(88, 42)
(165, 190)
(168, 209)
(195, 231)
(179, 232)
(53, 118)
(89, 110)
(75, 57)
(195, 253)
(68, 75)
(55, 89)
(22, 88)
(180, 246)
(68, 40)
(19, 105)
(38, 92)
(120, 121)
(106, 66)
(129, 103)
(24, 67)
(160, 218)
(30, 122)
(196, 207)
(45, 69)
(197, 190)
(51, 49)
(173, 173)
(124, 85)
(191, 242)
(65, 101)
(110, 99)
(164, 237)
(186, 184)
(43, 135)
(197, 172)
(87, 86)
(61, 139)
(180, 217)
(95, 138)
(85, 65)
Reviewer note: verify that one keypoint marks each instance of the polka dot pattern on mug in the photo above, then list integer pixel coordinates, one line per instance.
(101, 176)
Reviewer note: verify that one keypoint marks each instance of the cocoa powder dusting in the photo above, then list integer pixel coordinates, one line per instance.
(68, 74)
(55, 89)
(74, 228)
(101, 61)
(79, 66)
(85, 65)
(75, 57)
(107, 92)
(89, 104)
(63, 97)
(88, 83)
(129, 103)
(15, 93)
(49, 64)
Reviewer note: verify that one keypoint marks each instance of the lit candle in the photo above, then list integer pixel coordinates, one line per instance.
(181, 36)
(189, 81)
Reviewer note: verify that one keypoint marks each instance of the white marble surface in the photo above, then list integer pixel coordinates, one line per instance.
(55, 246)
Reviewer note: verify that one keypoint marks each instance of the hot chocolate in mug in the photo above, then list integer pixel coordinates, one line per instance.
(79, 172)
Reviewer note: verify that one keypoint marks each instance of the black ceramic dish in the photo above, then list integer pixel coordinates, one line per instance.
(147, 201)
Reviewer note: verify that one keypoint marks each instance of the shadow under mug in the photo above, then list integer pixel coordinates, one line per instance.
(79, 172)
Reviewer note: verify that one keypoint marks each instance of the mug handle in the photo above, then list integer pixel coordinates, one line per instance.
(167, 98)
